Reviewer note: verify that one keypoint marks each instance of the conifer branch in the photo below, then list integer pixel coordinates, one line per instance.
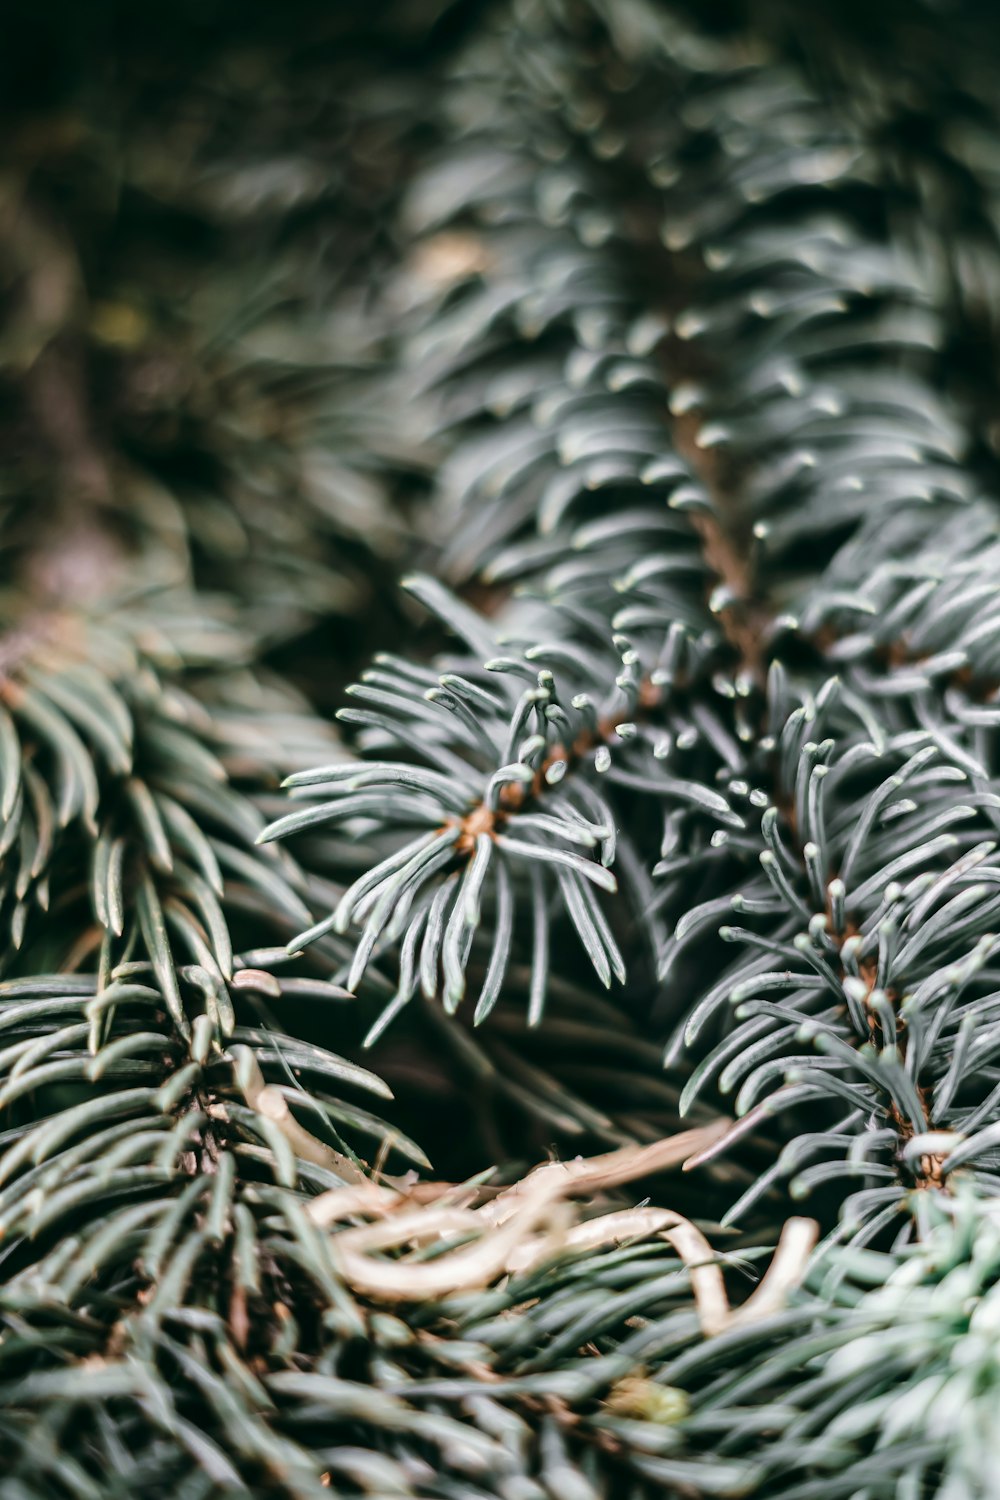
(663, 335)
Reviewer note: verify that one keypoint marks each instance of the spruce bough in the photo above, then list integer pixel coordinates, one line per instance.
(562, 1062)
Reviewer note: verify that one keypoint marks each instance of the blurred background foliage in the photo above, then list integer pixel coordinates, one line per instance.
(662, 343)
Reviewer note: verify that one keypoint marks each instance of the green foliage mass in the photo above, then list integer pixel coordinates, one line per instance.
(500, 664)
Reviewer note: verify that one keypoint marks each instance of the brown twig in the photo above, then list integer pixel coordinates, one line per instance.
(519, 1229)
(725, 548)
(517, 795)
